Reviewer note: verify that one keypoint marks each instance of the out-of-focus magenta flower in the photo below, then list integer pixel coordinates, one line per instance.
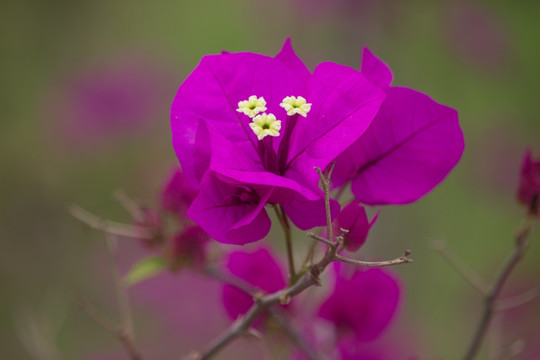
(353, 217)
(363, 304)
(478, 35)
(350, 349)
(410, 147)
(248, 130)
(259, 269)
(529, 183)
(176, 194)
(188, 247)
(108, 100)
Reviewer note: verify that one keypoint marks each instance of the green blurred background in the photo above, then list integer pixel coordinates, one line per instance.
(59, 148)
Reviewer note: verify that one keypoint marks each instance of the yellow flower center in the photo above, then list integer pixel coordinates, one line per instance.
(264, 125)
(295, 105)
(252, 106)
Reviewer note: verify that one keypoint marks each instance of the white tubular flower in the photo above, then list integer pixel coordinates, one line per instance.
(252, 106)
(265, 124)
(295, 105)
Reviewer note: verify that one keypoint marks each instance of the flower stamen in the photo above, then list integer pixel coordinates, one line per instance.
(264, 125)
(296, 105)
(252, 106)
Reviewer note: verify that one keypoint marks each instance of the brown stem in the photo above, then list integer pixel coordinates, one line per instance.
(468, 274)
(123, 299)
(117, 331)
(403, 259)
(518, 300)
(325, 181)
(522, 242)
(320, 238)
(129, 204)
(242, 324)
(277, 313)
(284, 221)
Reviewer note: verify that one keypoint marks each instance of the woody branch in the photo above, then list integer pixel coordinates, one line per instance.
(242, 325)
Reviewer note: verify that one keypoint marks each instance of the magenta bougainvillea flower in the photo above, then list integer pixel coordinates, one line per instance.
(259, 269)
(353, 217)
(362, 304)
(392, 349)
(411, 145)
(186, 247)
(175, 197)
(248, 130)
(529, 183)
(176, 194)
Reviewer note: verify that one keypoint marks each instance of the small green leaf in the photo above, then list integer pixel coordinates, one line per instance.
(144, 269)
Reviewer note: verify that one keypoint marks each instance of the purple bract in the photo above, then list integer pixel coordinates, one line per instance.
(353, 218)
(529, 183)
(188, 247)
(363, 304)
(411, 145)
(176, 194)
(259, 269)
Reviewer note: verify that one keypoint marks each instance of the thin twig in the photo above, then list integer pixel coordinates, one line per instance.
(283, 220)
(319, 238)
(38, 342)
(468, 274)
(518, 300)
(521, 245)
(235, 281)
(403, 259)
(325, 181)
(308, 260)
(112, 328)
(110, 227)
(121, 292)
(129, 204)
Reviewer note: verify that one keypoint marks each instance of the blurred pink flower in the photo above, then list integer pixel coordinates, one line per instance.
(176, 194)
(529, 183)
(477, 35)
(363, 304)
(259, 269)
(104, 101)
(350, 349)
(188, 247)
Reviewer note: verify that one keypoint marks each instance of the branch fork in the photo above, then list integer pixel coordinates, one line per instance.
(308, 279)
